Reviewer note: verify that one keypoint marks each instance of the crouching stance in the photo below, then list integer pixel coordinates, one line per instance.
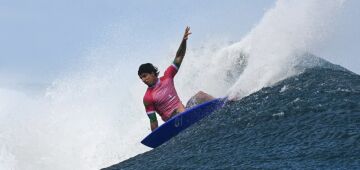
(161, 95)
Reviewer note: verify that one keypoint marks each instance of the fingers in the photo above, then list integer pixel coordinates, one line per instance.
(187, 32)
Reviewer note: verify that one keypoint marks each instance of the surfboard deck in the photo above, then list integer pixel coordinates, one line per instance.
(180, 122)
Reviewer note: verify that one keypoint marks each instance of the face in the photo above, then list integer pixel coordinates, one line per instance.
(148, 78)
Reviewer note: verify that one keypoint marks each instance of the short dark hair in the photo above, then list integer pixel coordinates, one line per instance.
(148, 68)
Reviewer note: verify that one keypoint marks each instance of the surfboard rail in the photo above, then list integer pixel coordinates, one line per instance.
(180, 122)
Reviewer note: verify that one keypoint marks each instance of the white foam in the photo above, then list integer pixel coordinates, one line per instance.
(287, 30)
(89, 118)
(266, 55)
(93, 116)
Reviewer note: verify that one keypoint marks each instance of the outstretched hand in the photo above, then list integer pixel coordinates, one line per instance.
(187, 33)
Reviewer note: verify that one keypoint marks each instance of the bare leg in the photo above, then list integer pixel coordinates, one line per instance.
(198, 98)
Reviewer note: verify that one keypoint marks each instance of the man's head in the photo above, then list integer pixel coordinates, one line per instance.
(148, 73)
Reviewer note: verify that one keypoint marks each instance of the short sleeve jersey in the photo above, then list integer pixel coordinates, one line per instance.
(162, 97)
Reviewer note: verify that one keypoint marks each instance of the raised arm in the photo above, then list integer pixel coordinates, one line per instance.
(182, 49)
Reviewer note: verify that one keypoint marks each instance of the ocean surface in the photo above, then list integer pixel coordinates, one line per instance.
(307, 121)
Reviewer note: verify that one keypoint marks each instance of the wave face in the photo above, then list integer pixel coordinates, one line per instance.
(308, 121)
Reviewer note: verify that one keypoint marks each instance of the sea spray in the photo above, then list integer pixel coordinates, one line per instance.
(274, 45)
(93, 115)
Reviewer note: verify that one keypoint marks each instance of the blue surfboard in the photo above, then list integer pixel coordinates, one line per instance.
(180, 122)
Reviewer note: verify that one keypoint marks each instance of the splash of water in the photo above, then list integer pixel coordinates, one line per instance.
(89, 118)
(286, 31)
(267, 54)
(93, 116)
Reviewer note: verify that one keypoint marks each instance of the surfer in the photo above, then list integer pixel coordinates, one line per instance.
(161, 95)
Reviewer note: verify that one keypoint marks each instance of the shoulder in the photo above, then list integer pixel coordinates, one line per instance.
(148, 96)
(171, 71)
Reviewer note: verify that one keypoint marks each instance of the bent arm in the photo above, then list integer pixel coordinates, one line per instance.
(182, 49)
(150, 110)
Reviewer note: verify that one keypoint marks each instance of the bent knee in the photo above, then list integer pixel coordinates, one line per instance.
(203, 95)
(200, 93)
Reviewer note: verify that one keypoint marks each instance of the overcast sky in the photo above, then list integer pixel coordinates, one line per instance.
(39, 39)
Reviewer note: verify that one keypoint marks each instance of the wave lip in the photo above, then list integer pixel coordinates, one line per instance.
(275, 45)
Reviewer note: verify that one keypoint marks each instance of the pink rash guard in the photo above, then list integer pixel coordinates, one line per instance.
(162, 97)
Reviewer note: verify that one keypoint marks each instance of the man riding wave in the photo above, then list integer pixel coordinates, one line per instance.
(161, 95)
